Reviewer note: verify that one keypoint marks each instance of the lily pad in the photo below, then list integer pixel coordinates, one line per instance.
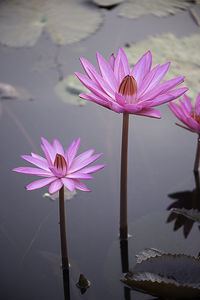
(22, 22)
(182, 52)
(192, 214)
(69, 89)
(67, 195)
(107, 3)
(170, 276)
(8, 91)
(136, 8)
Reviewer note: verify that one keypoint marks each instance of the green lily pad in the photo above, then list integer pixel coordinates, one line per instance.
(69, 89)
(166, 275)
(22, 22)
(136, 8)
(182, 52)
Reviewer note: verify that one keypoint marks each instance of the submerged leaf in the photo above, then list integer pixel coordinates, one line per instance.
(135, 8)
(22, 22)
(69, 89)
(67, 195)
(8, 91)
(170, 276)
(107, 3)
(182, 52)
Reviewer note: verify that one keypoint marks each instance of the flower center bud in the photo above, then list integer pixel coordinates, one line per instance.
(195, 116)
(60, 163)
(128, 86)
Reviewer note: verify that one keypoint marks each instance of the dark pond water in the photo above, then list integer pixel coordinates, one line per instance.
(161, 158)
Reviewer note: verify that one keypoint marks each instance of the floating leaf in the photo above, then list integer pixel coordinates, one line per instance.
(69, 89)
(182, 52)
(136, 8)
(22, 22)
(8, 91)
(170, 276)
(193, 214)
(67, 195)
(107, 3)
(148, 253)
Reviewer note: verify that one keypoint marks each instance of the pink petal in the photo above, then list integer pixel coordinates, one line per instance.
(132, 108)
(95, 99)
(37, 162)
(33, 171)
(92, 169)
(58, 147)
(86, 162)
(81, 186)
(197, 105)
(116, 107)
(141, 68)
(121, 67)
(79, 175)
(147, 81)
(121, 100)
(171, 95)
(55, 186)
(38, 156)
(79, 159)
(89, 69)
(92, 86)
(49, 149)
(72, 153)
(46, 153)
(40, 183)
(160, 72)
(149, 112)
(112, 61)
(187, 102)
(68, 151)
(175, 108)
(68, 183)
(163, 88)
(184, 109)
(106, 71)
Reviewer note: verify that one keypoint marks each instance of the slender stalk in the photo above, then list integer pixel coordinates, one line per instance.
(65, 261)
(123, 183)
(197, 159)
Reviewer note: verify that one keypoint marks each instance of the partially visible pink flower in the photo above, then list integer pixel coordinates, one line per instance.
(60, 167)
(133, 91)
(187, 114)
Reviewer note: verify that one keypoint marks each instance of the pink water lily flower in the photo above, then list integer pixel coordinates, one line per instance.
(186, 113)
(60, 167)
(133, 91)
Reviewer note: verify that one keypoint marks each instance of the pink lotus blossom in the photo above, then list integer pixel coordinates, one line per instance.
(60, 167)
(133, 91)
(186, 113)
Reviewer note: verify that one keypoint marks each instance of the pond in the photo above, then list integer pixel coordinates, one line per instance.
(160, 167)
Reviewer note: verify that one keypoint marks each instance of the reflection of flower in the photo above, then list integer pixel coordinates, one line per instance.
(122, 90)
(188, 200)
(186, 113)
(60, 168)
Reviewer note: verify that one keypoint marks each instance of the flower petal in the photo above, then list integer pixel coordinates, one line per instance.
(171, 95)
(37, 162)
(106, 71)
(73, 151)
(33, 171)
(79, 175)
(55, 186)
(149, 112)
(85, 162)
(58, 147)
(187, 102)
(75, 166)
(142, 67)
(92, 169)
(68, 183)
(95, 99)
(49, 149)
(197, 105)
(40, 183)
(81, 186)
(92, 86)
(121, 66)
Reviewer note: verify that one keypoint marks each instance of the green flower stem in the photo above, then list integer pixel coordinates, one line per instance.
(123, 183)
(197, 159)
(65, 261)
